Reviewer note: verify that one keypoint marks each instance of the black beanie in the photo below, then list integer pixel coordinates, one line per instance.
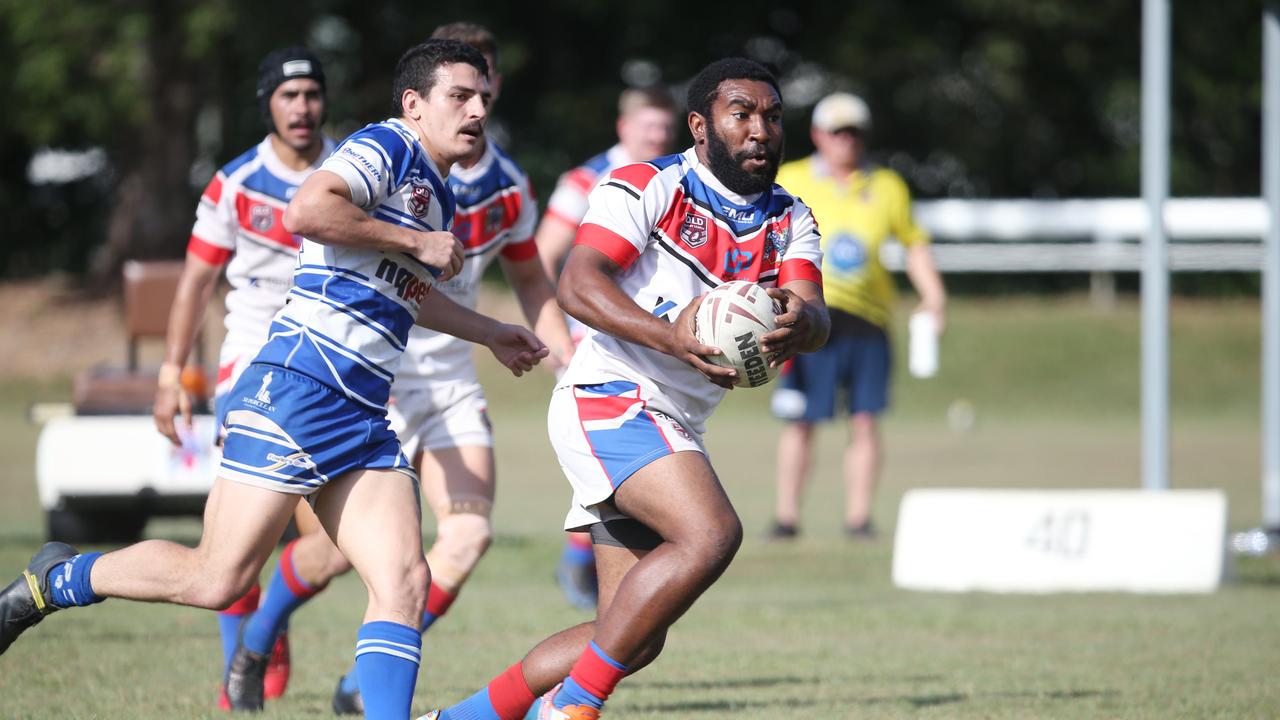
(280, 66)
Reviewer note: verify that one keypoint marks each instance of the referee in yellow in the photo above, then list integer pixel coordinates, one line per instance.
(858, 206)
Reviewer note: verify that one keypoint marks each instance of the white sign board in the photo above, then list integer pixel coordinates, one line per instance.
(1043, 541)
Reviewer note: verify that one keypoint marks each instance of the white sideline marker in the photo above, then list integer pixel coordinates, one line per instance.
(1049, 541)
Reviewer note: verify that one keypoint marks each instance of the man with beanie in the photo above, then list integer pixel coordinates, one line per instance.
(239, 230)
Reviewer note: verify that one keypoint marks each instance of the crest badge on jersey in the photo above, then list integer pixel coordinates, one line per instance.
(420, 200)
(262, 217)
(493, 219)
(694, 230)
(776, 242)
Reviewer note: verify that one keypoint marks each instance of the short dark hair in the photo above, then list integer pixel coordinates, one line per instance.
(477, 36)
(705, 86)
(417, 68)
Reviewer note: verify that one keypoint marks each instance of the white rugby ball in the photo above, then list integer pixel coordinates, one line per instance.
(733, 317)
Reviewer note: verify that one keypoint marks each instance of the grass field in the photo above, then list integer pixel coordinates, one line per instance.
(812, 629)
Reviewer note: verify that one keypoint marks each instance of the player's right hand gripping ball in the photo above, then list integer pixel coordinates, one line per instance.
(734, 317)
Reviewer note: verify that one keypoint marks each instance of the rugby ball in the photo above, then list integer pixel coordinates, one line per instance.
(733, 317)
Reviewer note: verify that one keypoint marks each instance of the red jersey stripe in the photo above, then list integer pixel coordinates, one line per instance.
(798, 269)
(208, 252)
(613, 245)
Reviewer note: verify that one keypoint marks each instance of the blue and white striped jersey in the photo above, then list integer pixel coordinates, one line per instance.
(348, 314)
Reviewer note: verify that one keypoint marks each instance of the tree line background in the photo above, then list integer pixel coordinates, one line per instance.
(970, 98)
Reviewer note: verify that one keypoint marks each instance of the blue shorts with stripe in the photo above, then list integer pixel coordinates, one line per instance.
(857, 364)
(290, 433)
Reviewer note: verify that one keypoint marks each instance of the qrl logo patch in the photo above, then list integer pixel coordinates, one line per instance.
(694, 230)
(261, 217)
(420, 200)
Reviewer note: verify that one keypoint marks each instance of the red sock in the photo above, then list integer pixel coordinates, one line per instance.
(299, 587)
(439, 600)
(510, 695)
(247, 603)
(596, 673)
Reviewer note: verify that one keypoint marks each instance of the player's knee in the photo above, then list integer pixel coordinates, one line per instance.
(720, 542)
(467, 535)
(334, 564)
(461, 540)
(648, 654)
(218, 593)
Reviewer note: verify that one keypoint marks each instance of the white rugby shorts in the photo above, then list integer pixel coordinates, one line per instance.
(603, 433)
(440, 415)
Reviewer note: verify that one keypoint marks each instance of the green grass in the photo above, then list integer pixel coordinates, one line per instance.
(812, 629)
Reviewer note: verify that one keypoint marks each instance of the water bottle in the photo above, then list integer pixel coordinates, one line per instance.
(922, 356)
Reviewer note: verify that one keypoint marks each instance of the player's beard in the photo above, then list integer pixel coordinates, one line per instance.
(727, 166)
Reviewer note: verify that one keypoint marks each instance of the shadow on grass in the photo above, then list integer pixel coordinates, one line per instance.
(917, 701)
(766, 682)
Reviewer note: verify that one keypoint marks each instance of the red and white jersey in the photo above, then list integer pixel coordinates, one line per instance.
(568, 202)
(496, 214)
(677, 232)
(239, 223)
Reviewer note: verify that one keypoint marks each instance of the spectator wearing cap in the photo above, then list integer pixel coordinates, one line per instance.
(858, 205)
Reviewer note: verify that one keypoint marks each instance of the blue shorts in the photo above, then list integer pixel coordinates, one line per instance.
(858, 365)
(289, 433)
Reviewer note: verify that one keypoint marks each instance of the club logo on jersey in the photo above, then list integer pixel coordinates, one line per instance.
(694, 230)
(462, 230)
(776, 242)
(261, 217)
(420, 200)
(493, 219)
(407, 285)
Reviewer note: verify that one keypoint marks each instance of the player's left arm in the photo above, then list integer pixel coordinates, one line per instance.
(803, 325)
(537, 298)
(515, 347)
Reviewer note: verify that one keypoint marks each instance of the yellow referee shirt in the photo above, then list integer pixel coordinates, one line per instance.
(855, 215)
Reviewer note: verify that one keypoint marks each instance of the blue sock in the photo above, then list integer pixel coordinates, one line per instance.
(387, 657)
(571, 693)
(349, 683)
(476, 707)
(69, 582)
(229, 630)
(286, 593)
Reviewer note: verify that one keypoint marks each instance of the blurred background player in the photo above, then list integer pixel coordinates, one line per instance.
(239, 228)
(858, 206)
(646, 130)
(651, 245)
